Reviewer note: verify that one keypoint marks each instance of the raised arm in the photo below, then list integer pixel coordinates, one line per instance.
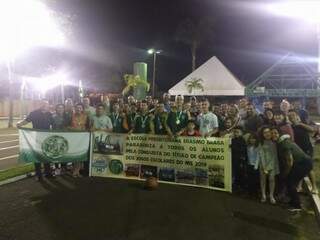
(22, 123)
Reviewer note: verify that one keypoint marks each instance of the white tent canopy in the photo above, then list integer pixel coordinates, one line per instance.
(217, 81)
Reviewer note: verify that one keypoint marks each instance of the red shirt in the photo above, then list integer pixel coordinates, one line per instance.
(287, 129)
(195, 133)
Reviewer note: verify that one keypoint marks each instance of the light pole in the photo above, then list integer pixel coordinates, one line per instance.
(80, 90)
(22, 103)
(318, 36)
(10, 120)
(62, 90)
(154, 52)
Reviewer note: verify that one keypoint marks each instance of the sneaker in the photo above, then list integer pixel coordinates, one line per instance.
(49, 176)
(300, 190)
(57, 172)
(295, 209)
(263, 199)
(272, 200)
(39, 178)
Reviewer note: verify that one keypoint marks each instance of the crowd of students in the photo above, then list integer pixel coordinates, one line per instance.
(272, 148)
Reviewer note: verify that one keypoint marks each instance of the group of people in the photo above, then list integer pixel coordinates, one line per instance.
(272, 148)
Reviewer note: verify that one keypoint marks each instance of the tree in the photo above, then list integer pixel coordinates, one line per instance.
(193, 33)
(135, 83)
(194, 84)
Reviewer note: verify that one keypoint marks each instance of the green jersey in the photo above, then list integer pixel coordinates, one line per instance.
(288, 147)
(160, 123)
(58, 122)
(117, 123)
(90, 111)
(142, 124)
(68, 118)
(131, 118)
(177, 121)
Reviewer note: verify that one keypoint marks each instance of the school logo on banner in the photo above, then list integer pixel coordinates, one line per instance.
(55, 146)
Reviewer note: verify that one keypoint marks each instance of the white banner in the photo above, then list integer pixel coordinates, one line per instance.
(52, 146)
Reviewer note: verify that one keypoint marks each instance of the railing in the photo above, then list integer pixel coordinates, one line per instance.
(282, 92)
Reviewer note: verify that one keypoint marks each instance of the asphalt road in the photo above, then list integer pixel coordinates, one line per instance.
(100, 208)
(9, 148)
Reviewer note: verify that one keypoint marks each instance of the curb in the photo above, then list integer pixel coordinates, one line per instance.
(17, 178)
(315, 199)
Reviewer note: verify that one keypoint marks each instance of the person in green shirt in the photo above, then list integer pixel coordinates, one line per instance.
(177, 119)
(118, 119)
(160, 121)
(60, 122)
(131, 115)
(297, 165)
(143, 122)
(68, 111)
(58, 119)
(106, 104)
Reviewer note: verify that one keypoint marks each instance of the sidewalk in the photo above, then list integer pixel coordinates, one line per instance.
(100, 208)
(4, 122)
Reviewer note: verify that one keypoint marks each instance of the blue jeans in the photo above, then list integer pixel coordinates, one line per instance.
(47, 169)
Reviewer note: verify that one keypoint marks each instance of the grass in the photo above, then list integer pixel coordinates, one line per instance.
(16, 171)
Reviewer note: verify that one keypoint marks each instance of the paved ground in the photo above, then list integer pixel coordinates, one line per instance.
(4, 122)
(97, 208)
(9, 147)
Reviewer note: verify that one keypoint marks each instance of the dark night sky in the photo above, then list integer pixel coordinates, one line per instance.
(112, 34)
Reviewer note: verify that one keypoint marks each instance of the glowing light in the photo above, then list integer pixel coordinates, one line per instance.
(25, 24)
(307, 10)
(152, 51)
(49, 82)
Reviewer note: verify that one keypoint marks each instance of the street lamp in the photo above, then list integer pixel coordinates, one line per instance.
(24, 24)
(305, 10)
(154, 52)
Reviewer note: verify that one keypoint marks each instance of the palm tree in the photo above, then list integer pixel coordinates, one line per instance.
(194, 84)
(193, 33)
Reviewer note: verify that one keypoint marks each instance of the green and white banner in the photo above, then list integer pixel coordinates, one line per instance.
(193, 161)
(52, 146)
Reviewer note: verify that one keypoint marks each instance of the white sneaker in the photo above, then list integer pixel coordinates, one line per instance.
(314, 191)
(272, 200)
(295, 209)
(57, 171)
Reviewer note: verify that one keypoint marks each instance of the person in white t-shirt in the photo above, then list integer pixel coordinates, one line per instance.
(100, 121)
(208, 121)
(89, 110)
